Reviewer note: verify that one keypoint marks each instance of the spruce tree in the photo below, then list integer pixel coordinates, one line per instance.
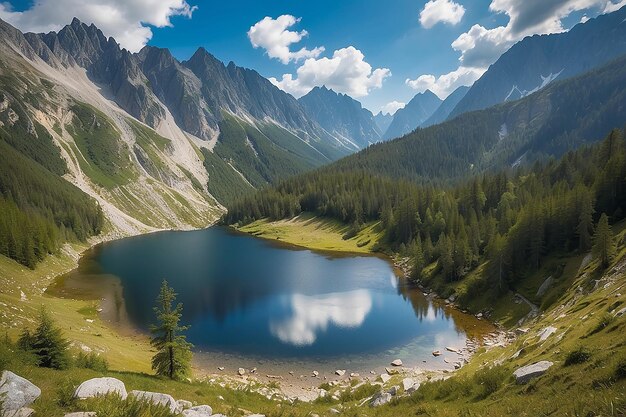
(604, 247)
(173, 357)
(47, 343)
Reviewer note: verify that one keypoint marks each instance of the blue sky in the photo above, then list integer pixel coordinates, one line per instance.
(406, 49)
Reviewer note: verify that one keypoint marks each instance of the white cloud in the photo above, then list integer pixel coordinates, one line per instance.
(444, 11)
(273, 36)
(392, 107)
(446, 83)
(480, 47)
(345, 72)
(313, 314)
(125, 20)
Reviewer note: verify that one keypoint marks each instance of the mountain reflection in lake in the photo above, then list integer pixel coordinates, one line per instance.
(246, 296)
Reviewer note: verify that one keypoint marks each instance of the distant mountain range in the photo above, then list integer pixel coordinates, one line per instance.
(416, 112)
(443, 111)
(341, 116)
(536, 61)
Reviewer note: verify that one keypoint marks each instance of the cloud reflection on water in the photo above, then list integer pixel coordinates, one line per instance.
(312, 314)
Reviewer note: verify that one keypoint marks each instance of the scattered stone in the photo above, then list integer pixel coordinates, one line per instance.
(82, 414)
(253, 371)
(184, 404)
(157, 398)
(316, 374)
(322, 393)
(396, 362)
(621, 312)
(17, 392)
(199, 411)
(241, 372)
(452, 349)
(479, 316)
(547, 332)
(220, 368)
(340, 372)
(407, 383)
(334, 411)
(385, 378)
(436, 353)
(96, 387)
(526, 373)
(522, 330)
(392, 371)
(354, 375)
(394, 390)
(380, 399)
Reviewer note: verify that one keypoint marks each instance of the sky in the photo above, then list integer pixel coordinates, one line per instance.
(379, 52)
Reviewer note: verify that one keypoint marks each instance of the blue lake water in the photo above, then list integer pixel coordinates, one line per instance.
(250, 297)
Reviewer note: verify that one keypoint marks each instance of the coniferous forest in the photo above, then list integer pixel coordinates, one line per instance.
(512, 219)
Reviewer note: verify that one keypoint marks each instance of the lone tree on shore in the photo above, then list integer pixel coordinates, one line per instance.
(604, 247)
(173, 357)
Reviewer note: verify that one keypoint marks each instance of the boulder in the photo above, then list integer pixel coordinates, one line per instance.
(354, 375)
(340, 372)
(385, 378)
(547, 332)
(394, 390)
(407, 383)
(184, 404)
(528, 372)
(380, 399)
(22, 412)
(396, 362)
(436, 353)
(392, 371)
(452, 349)
(158, 398)
(17, 392)
(322, 393)
(97, 387)
(316, 374)
(241, 372)
(198, 411)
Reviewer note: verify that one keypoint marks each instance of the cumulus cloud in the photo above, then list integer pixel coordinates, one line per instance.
(313, 314)
(444, 11)
(345, 72)
(273, 36)
(480, 47)
(446, 83)
(125, 20)
(392, 107)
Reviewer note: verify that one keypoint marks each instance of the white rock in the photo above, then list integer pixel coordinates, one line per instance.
(96, 387)
(526, 373)
(22, 412)
(199, 411)
(407, 383)
(316, 374)
(184, 404)
(340, 372)
(396, 362)
(452, 349)
(354, 375)
(436, 353)
(322, 393)
(547, 332)
(385, 378)
(241, 372)
(380, 399)
(17, 392)
(158, 399)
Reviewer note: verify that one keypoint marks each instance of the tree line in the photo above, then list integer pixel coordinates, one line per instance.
(512, 218)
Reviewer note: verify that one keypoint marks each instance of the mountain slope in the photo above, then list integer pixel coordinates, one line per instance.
(563, 116)
(383, 120)
(341, 115)
(446, 107)
(534, 62)
(416, 112)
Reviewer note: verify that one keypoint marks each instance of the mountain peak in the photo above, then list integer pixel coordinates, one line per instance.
(76, 22)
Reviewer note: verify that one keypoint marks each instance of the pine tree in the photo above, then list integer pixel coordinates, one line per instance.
(604, 247)
(47, 343)
(173, 357)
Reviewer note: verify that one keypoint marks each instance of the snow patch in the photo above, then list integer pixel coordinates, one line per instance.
(503, 132)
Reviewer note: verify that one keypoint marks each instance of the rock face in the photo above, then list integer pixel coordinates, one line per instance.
(198, 411)
(409, 118)
(100, 386)
(17, 392)
(526, 373)
(158, 399)
(341, 115)
(380, 399)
